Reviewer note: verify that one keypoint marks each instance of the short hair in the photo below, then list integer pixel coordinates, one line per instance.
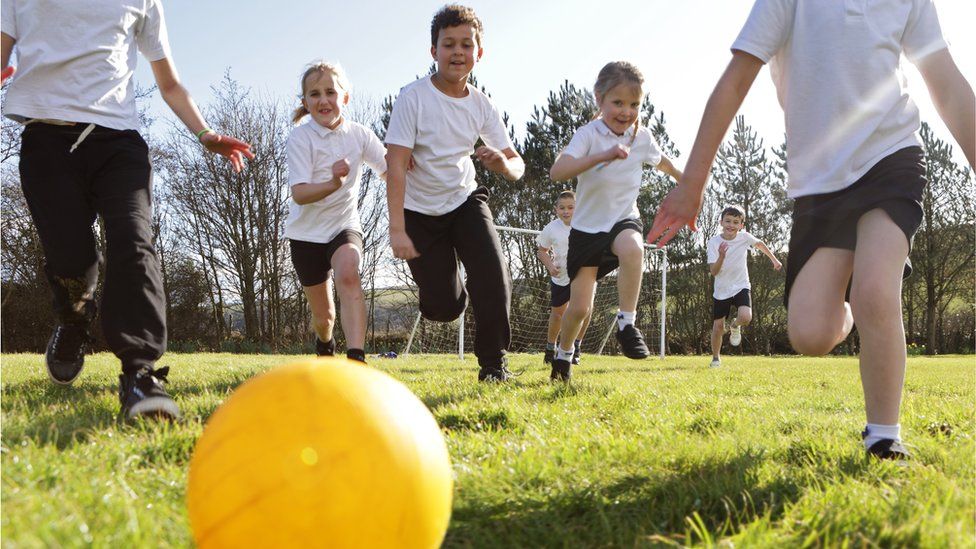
(454, 15)
(734, 210)
(566, 194)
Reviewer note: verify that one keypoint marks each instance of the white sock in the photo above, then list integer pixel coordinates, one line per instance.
(562, 354)
(623, 319)
(876, 432)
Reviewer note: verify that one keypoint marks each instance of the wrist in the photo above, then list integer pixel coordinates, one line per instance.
(202, 133)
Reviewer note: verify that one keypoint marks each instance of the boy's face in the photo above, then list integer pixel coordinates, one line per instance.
(564, 209)
(324, 98)
(456, 52)
(620, 107)
(731, 225)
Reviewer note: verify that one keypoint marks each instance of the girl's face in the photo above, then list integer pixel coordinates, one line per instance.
(456, 52)
(565, 208)
(621, 106)
(324, 99)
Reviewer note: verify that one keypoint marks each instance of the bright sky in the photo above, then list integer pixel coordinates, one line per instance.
(530, 48)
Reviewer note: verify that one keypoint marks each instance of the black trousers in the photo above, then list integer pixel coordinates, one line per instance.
(466, 234)
(107, 175)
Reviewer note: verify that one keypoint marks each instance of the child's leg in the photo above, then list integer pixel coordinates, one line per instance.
(743, 317)
(442, 296)
(876, 304)
(818, 317)
(586, 322)
(580, 306)
(555, 321)
(345, 263)
(629, 249)
(321, 303)
(718, 331)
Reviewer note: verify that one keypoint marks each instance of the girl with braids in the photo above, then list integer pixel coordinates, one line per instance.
(607, 157)
(325, 159)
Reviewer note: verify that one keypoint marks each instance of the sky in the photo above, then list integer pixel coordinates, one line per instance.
(530, 48)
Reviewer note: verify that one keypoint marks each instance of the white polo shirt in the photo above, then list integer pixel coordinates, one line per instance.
(75, 59)
(442, 131)
(835, 64)
(555, 236)
(312, 150)
(734, 275)
(607, 193)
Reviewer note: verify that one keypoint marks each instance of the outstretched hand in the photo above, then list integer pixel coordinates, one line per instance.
(7, 73)
(678, 209)
(233, 149)
(492, 158)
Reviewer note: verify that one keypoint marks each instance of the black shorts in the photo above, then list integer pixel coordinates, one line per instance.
(559, 295)
(313, 260)
(721, 307)
(829, 220)
(595, 249)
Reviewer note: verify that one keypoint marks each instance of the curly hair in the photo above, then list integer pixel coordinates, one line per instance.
(453, 15)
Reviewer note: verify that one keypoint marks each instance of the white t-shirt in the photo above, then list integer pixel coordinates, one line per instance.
(442, 132)
(607, 193)
(75, 59)
(836, 67)
(734, 274)
(555, 236)
(312, 150)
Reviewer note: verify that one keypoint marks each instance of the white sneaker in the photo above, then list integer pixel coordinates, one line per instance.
(715, 363)
(735, 335)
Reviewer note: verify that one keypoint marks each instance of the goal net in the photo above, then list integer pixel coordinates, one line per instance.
(530, 307)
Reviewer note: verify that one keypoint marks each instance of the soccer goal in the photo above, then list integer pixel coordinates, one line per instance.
(530, 306)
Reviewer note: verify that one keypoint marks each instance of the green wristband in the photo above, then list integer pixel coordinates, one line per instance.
(202, 132)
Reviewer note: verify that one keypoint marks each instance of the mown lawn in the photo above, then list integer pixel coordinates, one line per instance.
(762, 452)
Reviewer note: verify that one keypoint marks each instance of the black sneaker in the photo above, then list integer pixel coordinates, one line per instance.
(560, 370)
(356, 354)
(576, 355)
(65, 356)
(499, 373)
(142, 395)
(887, 448)
(549, 356)
(632, 343)
(325, 349)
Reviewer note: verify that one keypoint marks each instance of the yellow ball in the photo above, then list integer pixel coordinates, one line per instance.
(325, 452)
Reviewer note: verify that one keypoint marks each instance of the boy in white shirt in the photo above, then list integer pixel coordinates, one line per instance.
(82, 157)
(438, 214)
(856, 170)
(727, 254)
(553, 244)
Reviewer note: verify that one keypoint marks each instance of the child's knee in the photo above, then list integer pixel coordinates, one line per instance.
(323, 320)
(348, 282)
(873, 304)
(630, 253)
(813, 340)
(744, 318)
(718, 326)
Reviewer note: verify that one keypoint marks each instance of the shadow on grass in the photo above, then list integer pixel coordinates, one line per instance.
(636, 510)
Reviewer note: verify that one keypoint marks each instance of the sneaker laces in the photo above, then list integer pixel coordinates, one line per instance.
(70, 341)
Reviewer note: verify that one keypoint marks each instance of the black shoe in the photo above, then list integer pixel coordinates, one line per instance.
(560, 370)
(498, 373)
(65, 356)
(356, 354)
(549, 356)
(887, 448)
(325, 349)
(142, 395)
(576, 355)
(632, 343)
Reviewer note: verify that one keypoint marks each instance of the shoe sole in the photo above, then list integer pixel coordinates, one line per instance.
(154, 408)
(47, 366)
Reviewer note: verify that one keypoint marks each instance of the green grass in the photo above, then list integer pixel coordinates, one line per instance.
(762, 452)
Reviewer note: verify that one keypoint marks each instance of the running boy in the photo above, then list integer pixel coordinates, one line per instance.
(727, 253)
(553, 244)
(82, 157)
(438, 213)
(856, 171)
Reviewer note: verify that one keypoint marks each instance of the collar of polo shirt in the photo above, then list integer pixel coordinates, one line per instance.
(602, 127)
(322, 131)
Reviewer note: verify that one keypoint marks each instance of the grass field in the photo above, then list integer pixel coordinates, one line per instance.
(764, 452)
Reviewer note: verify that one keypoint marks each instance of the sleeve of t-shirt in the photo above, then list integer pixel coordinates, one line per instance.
(151, 38)
(712, 250)
(403, 120)
(579, 145)
(751, 239)
(652, 154)
(299, 155)
(923, 32)
(493, 130)
(766, 30)
(544, 238)
(374, 153)
(8, 21)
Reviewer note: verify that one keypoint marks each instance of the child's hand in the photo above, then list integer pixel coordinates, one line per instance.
(492, 158)
(678, 209)
(777, 265)
(340, 170)
(7, 73)
(553, 271)
(402, 246)
(616, 152)
(232, 149)
(722, 248)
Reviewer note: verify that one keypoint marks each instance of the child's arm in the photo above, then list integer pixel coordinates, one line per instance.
(397, 163)
(683, 203)
(306, 193)
(568, 167)
(765, 250)
(667, 167)
(6, 47)
(546, 260)
(714, 268)
(953, 98)
(506, 162)
(185, 109)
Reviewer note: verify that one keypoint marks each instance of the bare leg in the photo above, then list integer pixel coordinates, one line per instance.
(819, 318)
(321, 303)
(580, 306)
(352, 304)
(555, 321)
(629, 249)
(718, 330)
(743, 316)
